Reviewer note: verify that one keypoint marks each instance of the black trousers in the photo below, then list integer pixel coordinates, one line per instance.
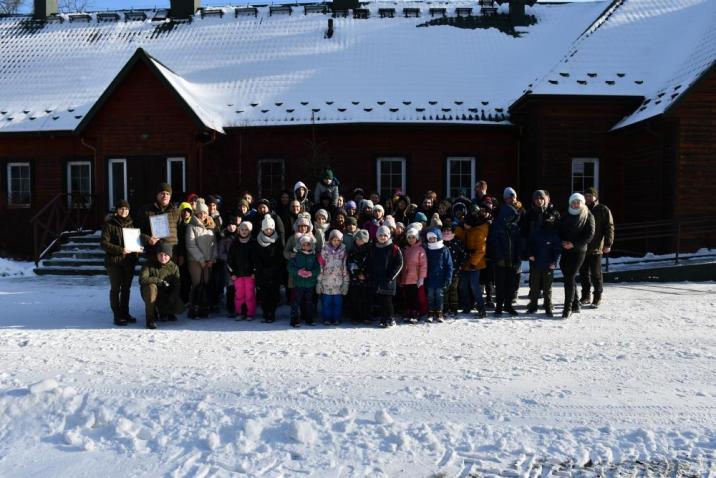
(591, 274)
(487, 279)
(269, 296)
(359, 301)
(505, 285)
(411, 298)
(570, 263)
(120, 284)
(386, 306)
(541, 280)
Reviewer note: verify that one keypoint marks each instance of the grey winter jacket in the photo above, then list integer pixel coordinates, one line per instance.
(200, 241)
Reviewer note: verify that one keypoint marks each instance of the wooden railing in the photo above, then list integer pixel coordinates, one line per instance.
(66, 213)
(669, 234)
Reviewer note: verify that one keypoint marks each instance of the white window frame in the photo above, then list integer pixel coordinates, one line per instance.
(183, 171)
(583, 161)
(473, 172)
(69, 181)
(9, 184)
(110, 179)
(403, 167)
(260, 164)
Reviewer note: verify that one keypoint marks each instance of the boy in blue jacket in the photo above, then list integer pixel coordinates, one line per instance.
(440, 271)
(543, 249)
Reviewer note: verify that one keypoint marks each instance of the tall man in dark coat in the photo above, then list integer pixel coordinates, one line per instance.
(162, 205)
(591, 270)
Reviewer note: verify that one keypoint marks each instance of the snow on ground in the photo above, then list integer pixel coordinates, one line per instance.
(626, 390)
(9, 267)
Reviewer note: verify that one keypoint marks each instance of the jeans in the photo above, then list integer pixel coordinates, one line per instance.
(591, 273)
(332, 307)
(470, 282)
(436, 296)
(505, 284)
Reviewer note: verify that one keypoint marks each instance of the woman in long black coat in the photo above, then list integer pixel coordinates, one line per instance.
(576, 230)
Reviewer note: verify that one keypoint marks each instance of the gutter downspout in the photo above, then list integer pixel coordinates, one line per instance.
(96, 179)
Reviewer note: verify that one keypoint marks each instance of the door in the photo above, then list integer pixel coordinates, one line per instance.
(143, 176)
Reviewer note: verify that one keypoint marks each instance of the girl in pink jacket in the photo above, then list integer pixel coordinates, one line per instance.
(415, 270)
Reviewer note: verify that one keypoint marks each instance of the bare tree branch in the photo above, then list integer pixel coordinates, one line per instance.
(10, 6)
(70, 6)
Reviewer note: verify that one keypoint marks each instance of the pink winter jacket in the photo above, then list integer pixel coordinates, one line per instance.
(415, 264)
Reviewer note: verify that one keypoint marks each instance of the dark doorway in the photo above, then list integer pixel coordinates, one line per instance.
(144, 174)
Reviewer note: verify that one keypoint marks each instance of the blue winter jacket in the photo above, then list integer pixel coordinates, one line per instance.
(439, 264)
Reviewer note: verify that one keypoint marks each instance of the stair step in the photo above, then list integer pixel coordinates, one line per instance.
(78, 255)
(69, 271)
(74, 246)
(84, 239)
(72, 263)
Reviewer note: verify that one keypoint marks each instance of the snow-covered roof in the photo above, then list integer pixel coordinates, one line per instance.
(277, 69)
(655, 49)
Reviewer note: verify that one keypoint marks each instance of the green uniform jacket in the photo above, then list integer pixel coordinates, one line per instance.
(154, 272)
(304, 261)
(112, 241)
(154, 210)
(603, 229)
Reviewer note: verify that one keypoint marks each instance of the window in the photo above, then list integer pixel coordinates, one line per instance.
(390, 175)
(585, 174)
(18, 185)
(117, 181)
(176, 175)
(460, 175)
(79, 184)
(271, 178)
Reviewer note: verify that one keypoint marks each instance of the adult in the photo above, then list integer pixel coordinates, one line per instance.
(576, 231)
(591, 270)
(543, 248)
(400, 212)
(159, 285)
(483, 200)
(300, 194)
(201, 246)
(119, 262)
(161, 205)
(385, 262)
(283, 209)
(473, 233)
(186, 211)
(270, 264)
(505, 250)
(212, 203)
(510, 198)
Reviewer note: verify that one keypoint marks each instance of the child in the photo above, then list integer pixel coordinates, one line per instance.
(473, 233)
(159, 283)
(327, 184)
(385, 263)
(376, 221)
(439, 273)
(458, 254)
(241, 266)
(268, 255)
(333, 280)
(228, 237)
(359, 290)
(351, 228)
(321, 224)
(415, 270)
(303, 269)
(544, 248)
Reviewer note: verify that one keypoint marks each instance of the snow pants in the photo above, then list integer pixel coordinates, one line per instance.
(245, 293)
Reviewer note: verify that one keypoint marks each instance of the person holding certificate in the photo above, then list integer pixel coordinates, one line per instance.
(159, 220)
(122, 248)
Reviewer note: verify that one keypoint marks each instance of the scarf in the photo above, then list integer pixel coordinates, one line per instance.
(582, 213)
(433, 246)
(244, 240)
(264, 240)
(389, 242)
(321, 227)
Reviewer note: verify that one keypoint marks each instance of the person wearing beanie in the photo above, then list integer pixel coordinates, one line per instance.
(339, 221)
(241, 264)
(591, 270)
(227, 238)
(161, 205)
(302, 226)
(263, 208)
(505, 246)
(269, 262)
(327, 184)
(359, 290)
(213, 204)
(415, 270)
(333, 280)
(186, 211)
(365, 211)
(321, 224)
(358, 195)
(159, 285)
(510, 197)
(351, 208)
(458, 255)
(389, 222)
(421, 218)
(303, 269)
(399, 234)
(202, 250)
(435, 221)
(509, 193)
(384, 264)
(349, 231)
(375, 222)
(473, 233)
(576, 231)
(540, 231)
(120, 262)
(440, 273)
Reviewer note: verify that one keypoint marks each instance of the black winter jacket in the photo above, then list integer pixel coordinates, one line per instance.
(112, 241)
(571, 231)
(241, 261)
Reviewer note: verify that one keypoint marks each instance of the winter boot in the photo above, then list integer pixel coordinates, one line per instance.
(192, 312)
(481, 312)
(597, 300)
(151, 324)
(576, 307)
(532, 307)
(120, 321)
(429, 317)
(130, 319)
(548, 309)
(439, 317)
(566, 313)
(586, 299)
(511, 310)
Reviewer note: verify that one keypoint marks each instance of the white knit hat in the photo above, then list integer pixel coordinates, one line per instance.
(378, 207)
(412, 232)
(389, 222)
(268, 223)
(577, 197)
(246, 225)
(335, 233)
(416, 225)
(322, 212)
(363, 235)
(383, 231)
(509, 192)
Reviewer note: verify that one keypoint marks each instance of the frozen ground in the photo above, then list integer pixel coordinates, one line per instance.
(628, 390)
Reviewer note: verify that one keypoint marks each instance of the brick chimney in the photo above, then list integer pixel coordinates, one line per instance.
(345, 4)
(517, 11)
(183, 8)
(44, 8)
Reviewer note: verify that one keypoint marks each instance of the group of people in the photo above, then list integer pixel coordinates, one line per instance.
(361, 256)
